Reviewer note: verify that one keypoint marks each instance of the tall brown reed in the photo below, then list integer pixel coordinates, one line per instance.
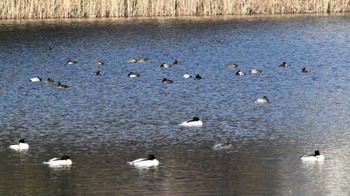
(17, 9)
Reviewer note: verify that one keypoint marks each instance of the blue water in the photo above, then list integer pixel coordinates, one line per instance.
(102, 122)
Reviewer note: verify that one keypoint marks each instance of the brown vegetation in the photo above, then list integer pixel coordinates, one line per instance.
(10, 9)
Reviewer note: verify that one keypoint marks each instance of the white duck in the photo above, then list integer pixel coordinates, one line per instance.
(63, 161)
(151, 161)
(314, 157)
(22, 145)
(195, 122)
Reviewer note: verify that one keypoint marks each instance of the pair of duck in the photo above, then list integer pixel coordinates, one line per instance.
(22, 146)
(96, 62)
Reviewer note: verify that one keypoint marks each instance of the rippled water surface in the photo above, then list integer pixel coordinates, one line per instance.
(102, 122)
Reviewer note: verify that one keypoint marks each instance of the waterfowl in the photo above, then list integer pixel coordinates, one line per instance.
(131, 60)
(48, 80)
(225, 145)
(176, 62)
(150, 161)
(239, 73)
(48, 48)
(254, 71)
(35, 79)
(98, 62)
(305, 70)
(197, 77)
(71, 62)
(22, 145)
(186, 76)
(195, 122)
(63, 161)
(164, 65)
(262, 99)
(231, 65)
(314, 157)
(59, 85)
(99, 73)
(133, 75)
(284, 64)
(142, 60)
(167, 81)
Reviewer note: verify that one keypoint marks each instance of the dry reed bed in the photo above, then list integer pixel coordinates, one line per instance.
(18, 9)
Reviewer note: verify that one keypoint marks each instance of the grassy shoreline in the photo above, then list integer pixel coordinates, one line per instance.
(45, 9)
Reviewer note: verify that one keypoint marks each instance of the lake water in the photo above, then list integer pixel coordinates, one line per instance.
(102, 122)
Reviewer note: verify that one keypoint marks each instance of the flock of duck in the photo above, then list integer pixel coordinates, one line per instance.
(151, 160)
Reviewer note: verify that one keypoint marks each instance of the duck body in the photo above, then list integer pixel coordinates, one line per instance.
(98, 62)
(187, 75)
(48, 80)
(231, 65)
(225, 145)
(284, 64)
(254, 71)
(166, 81)
(20, 146)
(198, 77)
(63, 161)
(35, 79)
(71, 62)
(314, 157)
(195, 122)
(151, 161)
(305, 70)
(263, 99)
(131, 60)
(133, 75)
(59, 85)
(164, 65)
(239, 73)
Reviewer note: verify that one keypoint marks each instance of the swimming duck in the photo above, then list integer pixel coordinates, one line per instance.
(314, 157)
(164, 65)
(231, 65)
(98, 62)
(22, 145)
(150, 161)
(262, 99)
(225, 145)
(99, 73)
(186, 76)
(284, 64)
(167, 81)
(131, 60)
(63, 161)
(176, 62)
(71, 62)
(48, 80)
(198, 77)
(142, 60)
(133, 75)
(35, 79)
(59, 85)
(254, 71)
(195, 122)
(239, 73)
(305, 70)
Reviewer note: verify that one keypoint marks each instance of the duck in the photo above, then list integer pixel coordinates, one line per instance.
(48, 48)
(195, 122)
(262, 99)
(167, 81)
(63, 161)
(187, 75)
(150, 161)
(142, 60)
(131, 60)
(239, 73)
(284, 64)
(176, 62)
(35, 79)
(133, 75)
(305, 70)
(71, 62)
(59, 85)
(231, 65)
(254, 71)
(314, 157)
(99, 73)
(164, 65)
(48, 80)
(98, 62)
(197, 77)
(22, 145)
(225, 145)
